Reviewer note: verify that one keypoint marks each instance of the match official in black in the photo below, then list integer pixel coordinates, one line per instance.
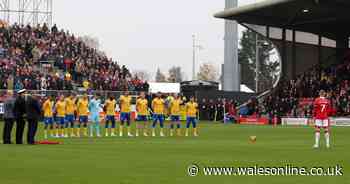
(19, 112)
(9, 117)
(33, 111)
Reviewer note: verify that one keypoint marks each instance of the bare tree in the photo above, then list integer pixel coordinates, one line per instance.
(208, 72)
(175, 74)
(142, 74)
(160, 77)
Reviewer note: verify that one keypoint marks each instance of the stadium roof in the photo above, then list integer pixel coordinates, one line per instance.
(327, 18)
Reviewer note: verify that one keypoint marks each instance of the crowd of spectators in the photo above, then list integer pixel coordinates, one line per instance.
(294, 98)
(23, 49)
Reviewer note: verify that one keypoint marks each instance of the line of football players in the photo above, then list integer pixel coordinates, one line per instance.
(71, 116)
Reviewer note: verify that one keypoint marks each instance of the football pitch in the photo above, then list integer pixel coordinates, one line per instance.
(165, 160)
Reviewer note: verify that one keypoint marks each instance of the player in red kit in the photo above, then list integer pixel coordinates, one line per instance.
(322, 109)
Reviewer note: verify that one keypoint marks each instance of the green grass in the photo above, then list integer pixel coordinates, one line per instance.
(165, 160)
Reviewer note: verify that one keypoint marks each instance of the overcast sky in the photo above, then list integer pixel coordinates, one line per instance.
(148, 34)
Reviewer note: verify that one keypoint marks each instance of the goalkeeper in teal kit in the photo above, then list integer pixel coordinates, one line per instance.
(95, 109)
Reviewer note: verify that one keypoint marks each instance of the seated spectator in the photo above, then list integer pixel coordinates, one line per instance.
(23, 47)
(288, 99)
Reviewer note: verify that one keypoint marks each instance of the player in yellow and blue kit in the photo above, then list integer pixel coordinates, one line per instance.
(167, 102)
(70, 111)
(83, 112)
(158, 114)
(60, 116)
(125, 112)
(47, 108)
(191, 112)
(110, 116)
(174, 106)
(142, 113)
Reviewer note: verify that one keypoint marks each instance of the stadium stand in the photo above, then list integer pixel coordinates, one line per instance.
(294, 98)
(24, 48)
(304, 39)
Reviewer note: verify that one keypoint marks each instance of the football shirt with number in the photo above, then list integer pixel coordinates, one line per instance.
(321, 108)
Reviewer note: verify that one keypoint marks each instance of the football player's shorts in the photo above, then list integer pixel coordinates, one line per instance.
(191, 120)
(322, 123)
(158, 117)
(70, 118)
(48, 120)
(175, 118)
(141, 118)
(110, 118)
(125, 116)
(83, 119)
(60, 120)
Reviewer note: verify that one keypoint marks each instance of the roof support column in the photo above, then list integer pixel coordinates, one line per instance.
(342, 46)
(294, 56)
(231, 75)
(268, 32)
(319, 53)
(284, 55)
